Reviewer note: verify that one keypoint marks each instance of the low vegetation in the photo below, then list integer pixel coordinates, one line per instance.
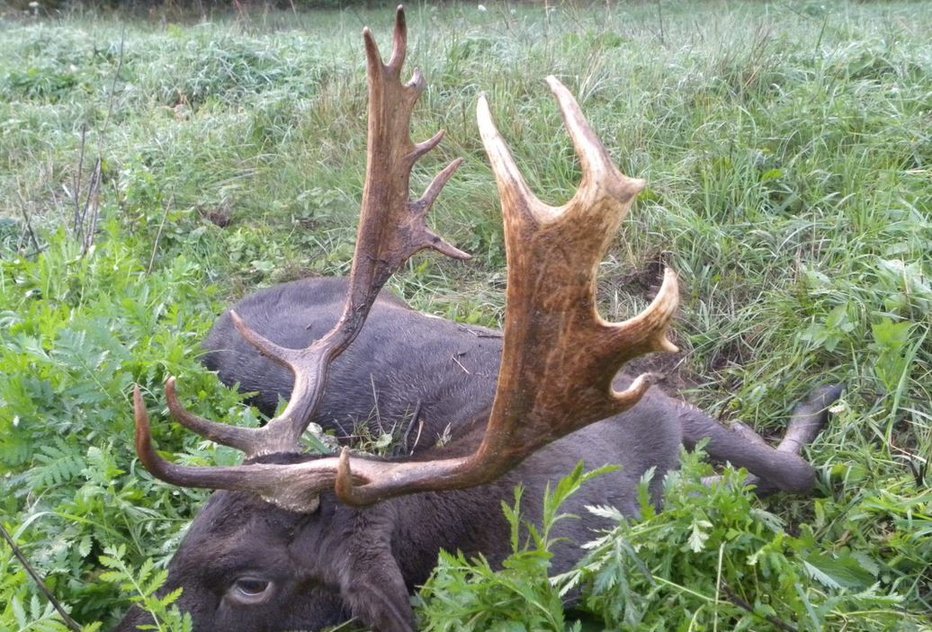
(152, 171)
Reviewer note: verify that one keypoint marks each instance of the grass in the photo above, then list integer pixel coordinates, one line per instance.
(787, 149)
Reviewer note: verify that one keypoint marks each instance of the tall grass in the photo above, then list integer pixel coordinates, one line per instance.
(787, 150)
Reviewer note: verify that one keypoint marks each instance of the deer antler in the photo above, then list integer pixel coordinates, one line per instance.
(559, 356)
(391, 229)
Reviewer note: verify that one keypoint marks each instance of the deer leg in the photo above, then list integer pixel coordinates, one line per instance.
(748, 433)
(772, 469)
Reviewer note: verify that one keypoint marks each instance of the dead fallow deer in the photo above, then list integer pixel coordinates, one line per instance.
(303, 542)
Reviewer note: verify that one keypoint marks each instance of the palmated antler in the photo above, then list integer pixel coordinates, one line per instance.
(391, 229)
(559, 356)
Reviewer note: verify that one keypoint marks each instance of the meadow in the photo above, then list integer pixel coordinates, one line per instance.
(155, 168)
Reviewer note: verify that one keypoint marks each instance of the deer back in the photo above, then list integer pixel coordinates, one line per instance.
(419, 375)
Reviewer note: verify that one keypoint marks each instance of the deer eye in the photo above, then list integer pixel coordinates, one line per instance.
(248, 590)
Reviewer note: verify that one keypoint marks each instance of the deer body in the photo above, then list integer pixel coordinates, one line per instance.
(405, 362)
(340, 561)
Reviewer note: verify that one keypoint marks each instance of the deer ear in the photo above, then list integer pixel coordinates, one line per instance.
(374, 589)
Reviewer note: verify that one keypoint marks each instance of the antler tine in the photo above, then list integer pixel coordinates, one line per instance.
(225, 434)
(400, 41)
(594, 159)
(392, 228)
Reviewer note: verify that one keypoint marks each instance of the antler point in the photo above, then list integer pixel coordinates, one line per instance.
(482, 103)
(343, 485)
(444, 247)
(668, 347)
(143, 433)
